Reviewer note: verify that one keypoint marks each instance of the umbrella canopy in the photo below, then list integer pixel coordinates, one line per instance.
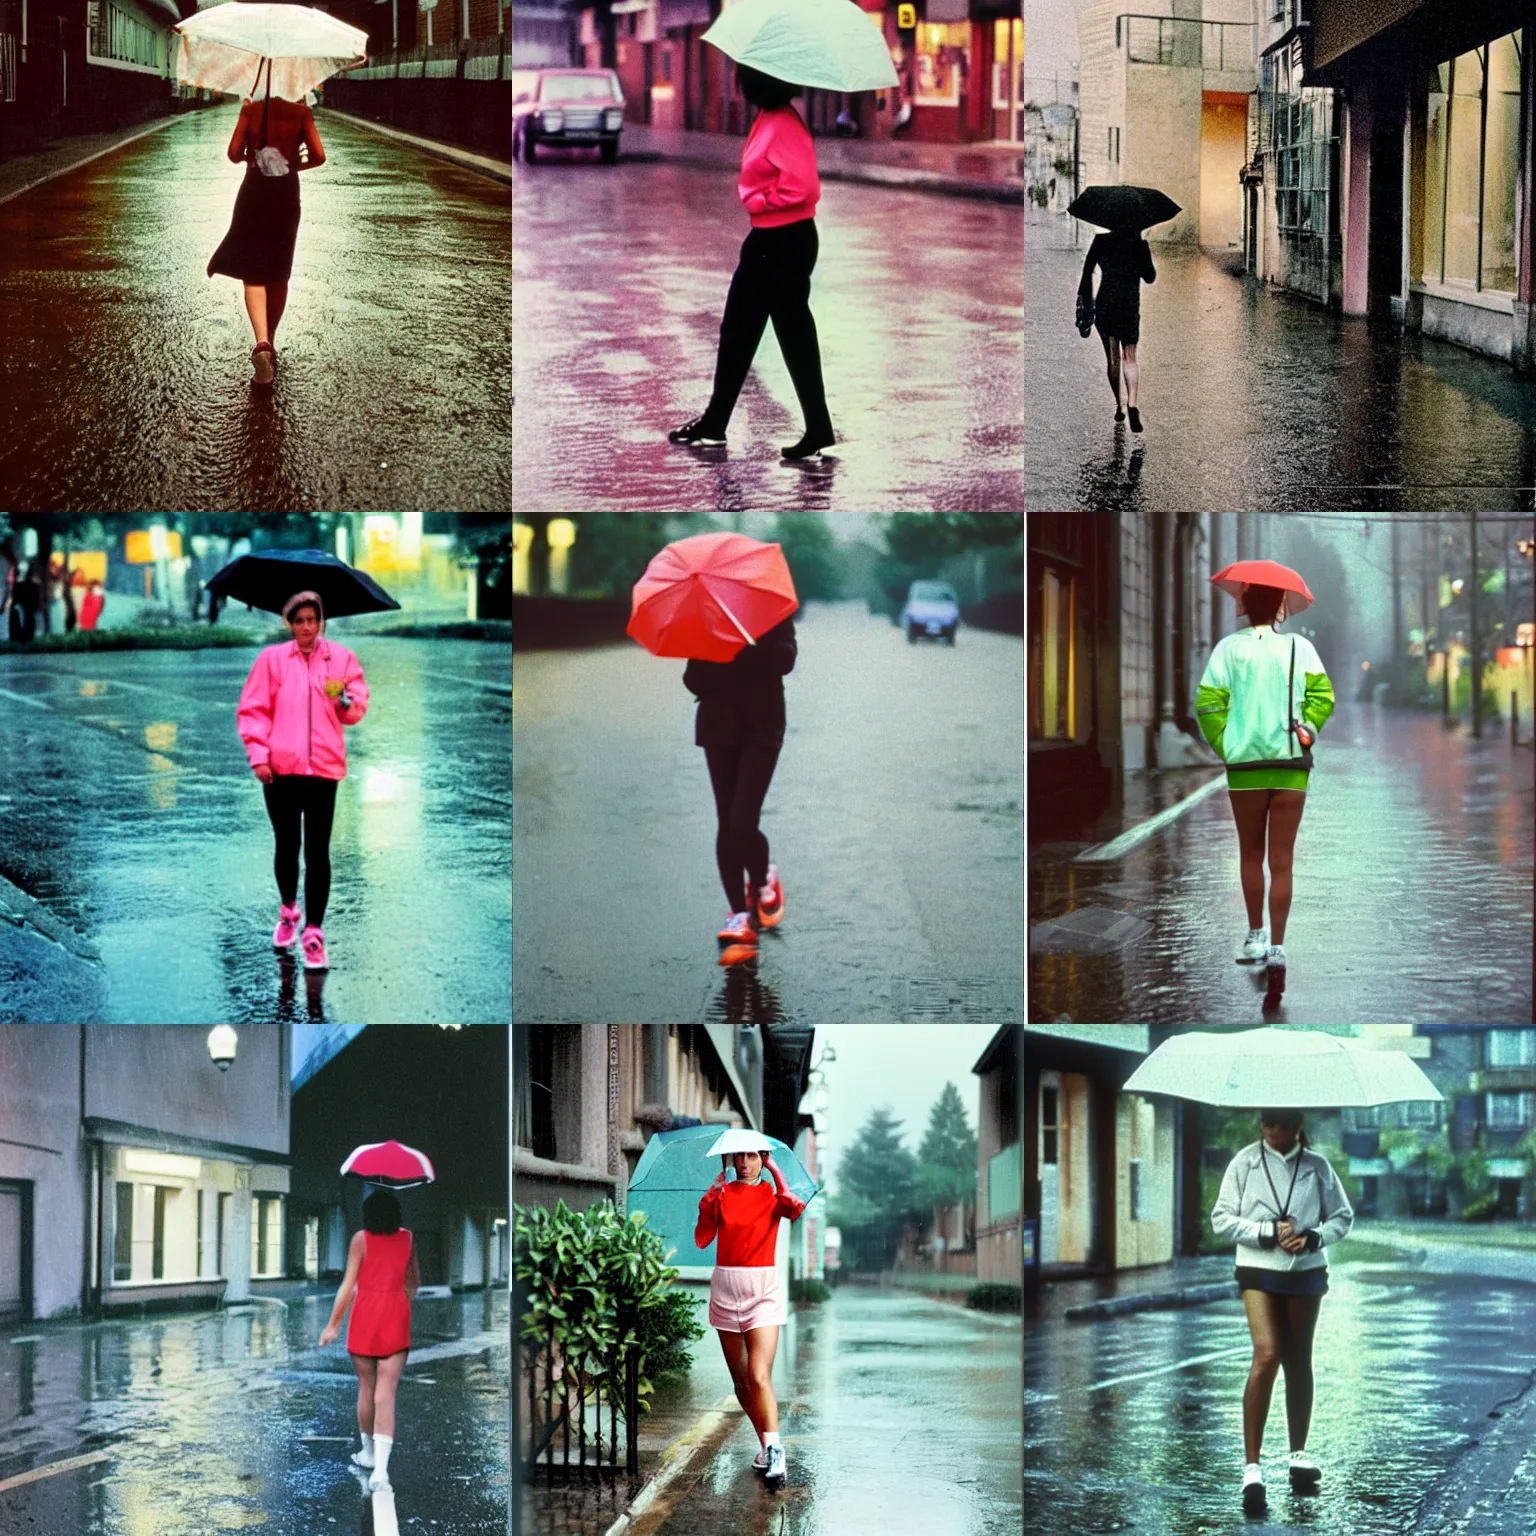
(1121, 206)
(391, 1164)
(685, 1161)
(704, 597)
(222, 48)
(831, 44)
(268, 579)
(733, 1140)
(1264, 573)
(1279, 1069)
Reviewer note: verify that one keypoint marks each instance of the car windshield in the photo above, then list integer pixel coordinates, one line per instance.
(930, 592)
(525, 85)
(577, 88)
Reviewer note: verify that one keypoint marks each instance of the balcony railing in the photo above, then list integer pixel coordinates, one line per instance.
(1183, 42)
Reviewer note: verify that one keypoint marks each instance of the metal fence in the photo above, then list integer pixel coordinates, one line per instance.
(564, 1393)
(1185, 41)
(471, 58)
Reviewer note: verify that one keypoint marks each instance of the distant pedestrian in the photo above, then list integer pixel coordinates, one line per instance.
(91, 605)
(7, 574)
(1125, 259)
(1262, 701)
(780, 189)
(26, 600)
(1282, 1204)
(295, 702)
(383, 1278)
(746, 1298)
(277, 139)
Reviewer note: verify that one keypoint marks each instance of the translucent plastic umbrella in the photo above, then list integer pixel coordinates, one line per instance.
(226, 47)
(830, 44)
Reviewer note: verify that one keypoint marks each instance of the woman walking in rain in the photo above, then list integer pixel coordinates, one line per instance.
(382, 1275)
(1261, 703)
(746, 1299)
(295, 702)
(1125, 259)
(740, 725)
(1282, 1204)
(276, 139)
(780, 189)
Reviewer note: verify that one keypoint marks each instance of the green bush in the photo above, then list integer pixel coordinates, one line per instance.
(808, 1290)
(667, 1329)
(995, 1298)
(1482, 1208)
(144, 637)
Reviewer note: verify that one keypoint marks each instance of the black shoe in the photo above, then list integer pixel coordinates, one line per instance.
(809, 445)
(1135, 419)
(1119, 415)
(696, 431)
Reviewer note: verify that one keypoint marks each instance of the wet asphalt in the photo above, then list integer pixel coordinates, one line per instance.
(1411, 895)
(621, 276)
(895, 818)
(237, 1420)
(125, 378)
(1257, 398)
(136, 879)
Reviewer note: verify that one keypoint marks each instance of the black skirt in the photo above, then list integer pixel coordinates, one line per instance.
(262, 234)
(1117, 308)
(1282, 1282)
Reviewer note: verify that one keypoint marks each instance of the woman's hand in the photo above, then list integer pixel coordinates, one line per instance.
(263, 771)
(329, 1334)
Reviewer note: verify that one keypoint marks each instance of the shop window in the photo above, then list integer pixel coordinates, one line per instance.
(1511, 1047)
(1052, 657)
(942, 50)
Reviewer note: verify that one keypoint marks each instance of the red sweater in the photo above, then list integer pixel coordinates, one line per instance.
(779, 184)
(745, 1218)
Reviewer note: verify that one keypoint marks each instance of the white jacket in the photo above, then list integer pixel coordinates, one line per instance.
(1246, 1209)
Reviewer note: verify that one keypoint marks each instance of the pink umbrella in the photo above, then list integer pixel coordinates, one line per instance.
(391, 1164)
(1264, 573)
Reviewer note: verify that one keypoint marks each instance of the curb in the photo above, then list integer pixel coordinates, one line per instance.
(1152, 1301)
(682, 1464)
(74, 165)
(467, 159)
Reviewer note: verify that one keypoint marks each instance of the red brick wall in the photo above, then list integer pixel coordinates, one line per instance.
(482, 18)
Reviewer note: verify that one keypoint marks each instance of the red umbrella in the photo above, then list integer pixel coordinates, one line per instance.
(1264, 573)
(704, 597)
(391, 1164)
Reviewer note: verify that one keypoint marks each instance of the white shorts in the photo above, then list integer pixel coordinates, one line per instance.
(743, 1297)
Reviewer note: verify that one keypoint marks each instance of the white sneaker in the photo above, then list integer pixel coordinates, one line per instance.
(363, 1459)
(1305, 1473)
(380, 1479)
(1255, 947)
(1274, 957)
(775, 1472)
(760, 1461)
(1254, 1497)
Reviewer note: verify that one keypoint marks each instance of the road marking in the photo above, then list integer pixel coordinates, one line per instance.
(31, 1338)
(1164, 1370)
(25, 698)
(1106, 853)
(38, 1473)
(384, 1522)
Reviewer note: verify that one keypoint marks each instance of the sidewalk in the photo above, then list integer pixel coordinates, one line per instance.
(992, 171)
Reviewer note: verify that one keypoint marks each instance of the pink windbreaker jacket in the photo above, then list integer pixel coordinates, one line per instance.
(285, 717)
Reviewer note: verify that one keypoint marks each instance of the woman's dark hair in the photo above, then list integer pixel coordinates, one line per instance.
(381, 1213)
(1287, 1119)
(765, 91)
(1261, 604)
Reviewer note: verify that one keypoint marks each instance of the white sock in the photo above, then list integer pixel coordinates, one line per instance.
(382, 1445)
(770, 1437)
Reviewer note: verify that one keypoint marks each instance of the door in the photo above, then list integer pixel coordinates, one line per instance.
(11, 1275)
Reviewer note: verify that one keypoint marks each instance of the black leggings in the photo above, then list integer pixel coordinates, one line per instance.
(740, 777)
(773, 280)
(289, 798)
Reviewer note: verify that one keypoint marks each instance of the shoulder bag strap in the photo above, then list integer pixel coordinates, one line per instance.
(1290, 694)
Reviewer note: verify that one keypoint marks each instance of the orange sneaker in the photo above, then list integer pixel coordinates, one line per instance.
(770, 901)
(738, 930)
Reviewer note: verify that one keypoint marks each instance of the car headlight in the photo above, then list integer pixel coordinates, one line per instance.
(613, 119)
(552, 122)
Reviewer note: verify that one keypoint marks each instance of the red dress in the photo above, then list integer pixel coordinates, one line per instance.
(381, 1311)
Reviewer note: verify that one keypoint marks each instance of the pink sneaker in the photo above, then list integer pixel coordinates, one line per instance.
(314, 950)
(287, 930)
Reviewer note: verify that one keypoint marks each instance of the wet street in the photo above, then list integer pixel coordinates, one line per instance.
(1412, 895)
(236, 1420)
(1134, 1422)
(621, 277)
(895, 818)
(136, 879)
(125, 381)
(1263, 400)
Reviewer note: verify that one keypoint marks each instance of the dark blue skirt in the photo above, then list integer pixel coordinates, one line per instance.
(1283, 1282)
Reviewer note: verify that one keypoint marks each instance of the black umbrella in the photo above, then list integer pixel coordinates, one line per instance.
(268, 579)
(1123, 207)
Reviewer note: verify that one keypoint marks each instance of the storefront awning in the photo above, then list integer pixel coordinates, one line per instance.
(1338, 26)
(120, 1133)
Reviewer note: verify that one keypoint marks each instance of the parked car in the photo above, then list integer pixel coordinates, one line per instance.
(932, 609)
(566, 109)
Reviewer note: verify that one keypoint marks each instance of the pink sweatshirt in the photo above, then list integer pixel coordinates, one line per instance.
(779, 184)
(285, 717)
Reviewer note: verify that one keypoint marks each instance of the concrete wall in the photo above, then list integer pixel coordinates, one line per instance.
(999, 1254)
(1163, 113)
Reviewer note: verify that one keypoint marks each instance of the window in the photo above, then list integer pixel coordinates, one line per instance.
(157, 1262)
(201, 1261)
(1508, 1111)
(1511, 1047)
(266, 1235)
(533, 1074)
(1053, 658)
(1299, 131)
(1114, 146)
(223, 1227)
(1049, 1099)
(122, 1234)
(1360, 1118)
(1421, 1113)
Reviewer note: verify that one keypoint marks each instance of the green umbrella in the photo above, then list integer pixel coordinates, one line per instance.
(830, 44)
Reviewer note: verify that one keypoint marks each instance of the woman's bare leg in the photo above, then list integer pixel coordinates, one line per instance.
(367, 1375)
(761, 1344)
(277, 302)
(1265, 1324)
(1112, 364)
(734, 1347)
(256, 308)
(1132, 371)
(1286, 806)
(1250, 808)
(390, 1370)
(1301, 1324)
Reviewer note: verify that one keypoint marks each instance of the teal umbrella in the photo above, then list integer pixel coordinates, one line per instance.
(831, 44)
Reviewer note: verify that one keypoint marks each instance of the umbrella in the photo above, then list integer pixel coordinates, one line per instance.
(831, 44)
(219, 47)
(391, 1164)
(732, 1141)
(268, 579)
(701, 597)
(1123, 207)
(1279, 1069)
(682, 1162)
(1264, 573)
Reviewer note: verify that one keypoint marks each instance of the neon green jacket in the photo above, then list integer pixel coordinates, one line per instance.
(1241, 705)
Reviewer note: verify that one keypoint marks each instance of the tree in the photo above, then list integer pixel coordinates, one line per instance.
(814, 558)
(946, 1161)
(920, 542)
(880, 1171)
(612, 549)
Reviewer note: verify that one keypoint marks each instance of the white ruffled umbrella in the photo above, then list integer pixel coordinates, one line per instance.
(830, 44)
(229, 47)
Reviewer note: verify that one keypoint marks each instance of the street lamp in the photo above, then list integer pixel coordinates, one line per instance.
(221, 1046)
(522, 542)
(561, 535)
